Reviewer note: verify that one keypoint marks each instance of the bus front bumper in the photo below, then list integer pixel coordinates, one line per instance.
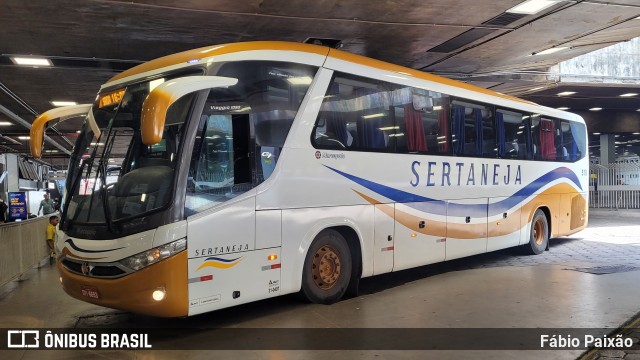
(135, 292)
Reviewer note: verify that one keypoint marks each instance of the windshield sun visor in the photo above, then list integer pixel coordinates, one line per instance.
(62, 113)
(155, 106)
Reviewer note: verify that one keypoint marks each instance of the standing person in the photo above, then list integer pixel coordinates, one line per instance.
(51, 237)
(46, 205)
(3, 211)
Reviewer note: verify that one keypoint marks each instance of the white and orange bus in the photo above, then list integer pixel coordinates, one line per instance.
(239, 172)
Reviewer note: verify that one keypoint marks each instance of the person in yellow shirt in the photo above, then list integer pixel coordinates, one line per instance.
(51, 236)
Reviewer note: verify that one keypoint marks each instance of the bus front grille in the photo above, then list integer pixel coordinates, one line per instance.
(97, 270)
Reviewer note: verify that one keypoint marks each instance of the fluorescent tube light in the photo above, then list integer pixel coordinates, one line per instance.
(63, 103)
(373, 116)
(550, 51)
(304, 80)
(531, 7)
(31, 61)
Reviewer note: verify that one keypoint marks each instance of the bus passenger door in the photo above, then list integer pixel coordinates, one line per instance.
(466, 227)
(504, 225)
(420, 234)
(383, 238)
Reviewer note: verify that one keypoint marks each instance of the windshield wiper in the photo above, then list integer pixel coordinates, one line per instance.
(71, 191)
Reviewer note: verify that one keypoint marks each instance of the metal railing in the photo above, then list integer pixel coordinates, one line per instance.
(23, 246)
(616, 186)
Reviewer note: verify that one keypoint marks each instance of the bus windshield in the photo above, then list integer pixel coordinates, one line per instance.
(117, 177)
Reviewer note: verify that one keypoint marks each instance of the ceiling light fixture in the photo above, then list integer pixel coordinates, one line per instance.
(5, 123)
(373, 116)
(304, 80)
(564, 108)
(596, 133)
(550, 51)
(531, 7)
(63, 103)
(628, 95)
(31, 61)
(24, 137)
(595, 109)
(566, 93)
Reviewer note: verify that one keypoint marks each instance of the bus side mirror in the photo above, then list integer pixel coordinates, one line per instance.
(37, 128)
(156, 105)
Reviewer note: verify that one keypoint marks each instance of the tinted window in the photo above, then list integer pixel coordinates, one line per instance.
(243, 128)
(371, 115)
(357, 114)
(473, 132)
(513, 130)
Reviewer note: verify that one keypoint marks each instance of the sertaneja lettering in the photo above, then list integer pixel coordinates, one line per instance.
(486, 174)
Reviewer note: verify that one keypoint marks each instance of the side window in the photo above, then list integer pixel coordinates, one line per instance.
(243, 128)
(473, 132)
(363, 114)
(513, 130)
(424, 123)
(546, 135)
(579, 136)
(357, 114)
(543, 138)
(571, 141)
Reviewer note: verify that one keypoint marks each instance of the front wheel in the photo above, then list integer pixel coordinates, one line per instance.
(539, 237)
(327, 268)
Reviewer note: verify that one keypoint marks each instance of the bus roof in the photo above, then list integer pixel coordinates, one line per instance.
(209, 51)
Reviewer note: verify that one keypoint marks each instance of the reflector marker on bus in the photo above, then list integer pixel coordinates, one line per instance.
(390, 248)
(200, 279)
(271, 267)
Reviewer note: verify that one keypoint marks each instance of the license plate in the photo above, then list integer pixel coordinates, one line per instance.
(90, 292)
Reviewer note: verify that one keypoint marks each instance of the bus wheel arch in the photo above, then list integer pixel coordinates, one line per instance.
(331, 264)
(539, 232)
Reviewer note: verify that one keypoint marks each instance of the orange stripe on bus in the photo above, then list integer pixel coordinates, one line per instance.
(549, 198)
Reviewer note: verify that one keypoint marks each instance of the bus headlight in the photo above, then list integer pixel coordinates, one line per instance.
(146, 258)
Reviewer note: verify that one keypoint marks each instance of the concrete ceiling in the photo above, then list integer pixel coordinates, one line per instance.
(465, 39)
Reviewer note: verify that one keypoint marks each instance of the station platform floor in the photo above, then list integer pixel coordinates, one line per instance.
(589, 280)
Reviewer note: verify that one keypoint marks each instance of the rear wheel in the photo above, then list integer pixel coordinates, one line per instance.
(539, 237)
(327, 268)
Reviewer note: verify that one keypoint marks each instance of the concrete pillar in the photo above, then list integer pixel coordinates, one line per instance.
(607, 149)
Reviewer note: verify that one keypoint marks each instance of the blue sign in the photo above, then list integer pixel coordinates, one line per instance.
(17, 205)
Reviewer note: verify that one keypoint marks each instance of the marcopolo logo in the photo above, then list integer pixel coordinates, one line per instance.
(326, 155)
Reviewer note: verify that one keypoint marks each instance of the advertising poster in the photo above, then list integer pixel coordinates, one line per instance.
(17, 205)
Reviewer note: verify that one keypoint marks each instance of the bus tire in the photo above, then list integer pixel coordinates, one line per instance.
(539, 234)
(327, 268)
